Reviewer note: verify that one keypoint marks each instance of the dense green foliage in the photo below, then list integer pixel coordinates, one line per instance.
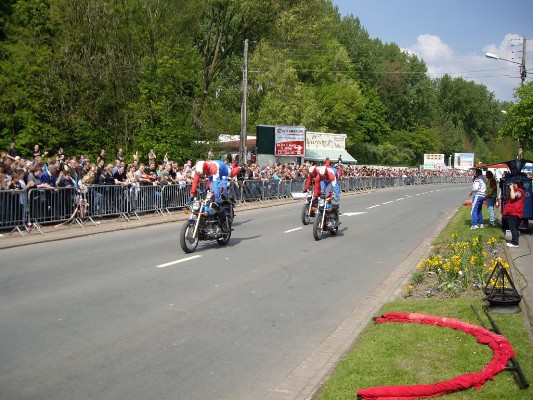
(141, 74)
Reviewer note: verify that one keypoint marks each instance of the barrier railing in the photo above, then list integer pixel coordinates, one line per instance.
(27, 210)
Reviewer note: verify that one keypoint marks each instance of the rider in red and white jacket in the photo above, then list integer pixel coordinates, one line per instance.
(217, 173)
(329, 178)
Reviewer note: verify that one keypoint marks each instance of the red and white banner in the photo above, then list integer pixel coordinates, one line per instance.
(290, 141)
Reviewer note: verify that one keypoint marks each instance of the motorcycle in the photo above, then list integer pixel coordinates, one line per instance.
(327, 217)
(208, 221)
(309, 208)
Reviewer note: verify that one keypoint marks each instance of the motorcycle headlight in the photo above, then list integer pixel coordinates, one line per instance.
(321, 203)
(196, 206)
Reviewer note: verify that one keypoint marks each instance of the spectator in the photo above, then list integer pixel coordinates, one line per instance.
(12, 151)
(100, 171)
(490, 196)
(151, 157)
(130, 174)
(49, 176)
(65, 179)
(513, 210)
(120, 176)
(101, 156)
(478, 196)
(107, 177)
(61, 154)
(7, 165)
(142, 177)
(37, 156)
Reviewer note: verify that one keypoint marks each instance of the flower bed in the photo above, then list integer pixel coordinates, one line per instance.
(456, 268)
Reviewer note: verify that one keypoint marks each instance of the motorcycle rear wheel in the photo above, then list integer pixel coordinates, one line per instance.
(224, 239)
(188, 242)
(318, 232)
(334, 231)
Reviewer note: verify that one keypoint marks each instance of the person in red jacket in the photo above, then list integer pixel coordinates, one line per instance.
(310, 178)
(217, 173)
(513, 210)
(326, 175)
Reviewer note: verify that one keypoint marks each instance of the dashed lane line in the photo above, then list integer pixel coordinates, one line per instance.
(292, 230)
(168, 264)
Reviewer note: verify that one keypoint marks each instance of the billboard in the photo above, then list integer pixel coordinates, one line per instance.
(289, 141)
(463, 160)
(325, 141)
(434, 161)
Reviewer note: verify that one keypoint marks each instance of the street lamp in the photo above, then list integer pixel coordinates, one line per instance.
(523, 71)
(523, 74)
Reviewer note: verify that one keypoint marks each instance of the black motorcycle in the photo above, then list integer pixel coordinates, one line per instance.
(327, 217)
(309, 208)
(208, 221)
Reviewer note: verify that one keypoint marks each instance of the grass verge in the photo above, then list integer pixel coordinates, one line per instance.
(407, 354)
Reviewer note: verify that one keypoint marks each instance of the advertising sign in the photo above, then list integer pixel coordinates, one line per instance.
(434, 161)
(463, 160)
(290, 141)
(325, 141)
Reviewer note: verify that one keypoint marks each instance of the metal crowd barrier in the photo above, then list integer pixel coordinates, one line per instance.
(13, 210)
(27, 210)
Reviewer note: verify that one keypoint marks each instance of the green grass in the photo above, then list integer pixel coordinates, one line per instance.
(407, 354)
(460, 225)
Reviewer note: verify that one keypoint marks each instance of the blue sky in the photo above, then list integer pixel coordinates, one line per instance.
(452, 36)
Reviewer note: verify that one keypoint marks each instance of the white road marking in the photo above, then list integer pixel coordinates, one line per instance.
(292, 230)
(350, 214)
(387, 202)
(168, 264)
(401, 198)
(368, 208)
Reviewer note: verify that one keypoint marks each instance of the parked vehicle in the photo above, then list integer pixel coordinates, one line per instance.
(516, 168)
(327, 217)
(208, 221)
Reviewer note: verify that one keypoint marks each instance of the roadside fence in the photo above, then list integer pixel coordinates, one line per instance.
(24, 211)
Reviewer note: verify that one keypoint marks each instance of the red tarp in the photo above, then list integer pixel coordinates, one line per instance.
(501, 348)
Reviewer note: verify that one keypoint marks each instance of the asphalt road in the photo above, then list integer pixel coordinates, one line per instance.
(128, 315)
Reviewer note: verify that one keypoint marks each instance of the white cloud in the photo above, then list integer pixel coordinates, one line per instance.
(500, 77)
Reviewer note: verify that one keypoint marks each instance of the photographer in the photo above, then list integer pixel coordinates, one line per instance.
(513, 210)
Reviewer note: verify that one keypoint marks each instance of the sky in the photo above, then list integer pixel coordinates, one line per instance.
(452, 36)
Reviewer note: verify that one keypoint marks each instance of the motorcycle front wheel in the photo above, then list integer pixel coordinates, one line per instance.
(306, 219)
(188, 241)
(224, 239)
(318, 232)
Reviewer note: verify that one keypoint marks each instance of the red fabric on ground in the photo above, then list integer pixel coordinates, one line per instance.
(501, 349)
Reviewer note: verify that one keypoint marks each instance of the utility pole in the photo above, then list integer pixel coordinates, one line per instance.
(243, 151)
(523, 75)
(523, 70)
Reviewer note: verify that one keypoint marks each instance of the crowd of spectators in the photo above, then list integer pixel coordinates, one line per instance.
(61, 170)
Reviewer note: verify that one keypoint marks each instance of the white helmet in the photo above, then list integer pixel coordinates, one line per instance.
(312, 169)
(321, 170)
(199, 167)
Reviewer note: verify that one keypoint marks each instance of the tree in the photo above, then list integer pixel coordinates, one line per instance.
(518, 122)
(225, 24)
(25, 57)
